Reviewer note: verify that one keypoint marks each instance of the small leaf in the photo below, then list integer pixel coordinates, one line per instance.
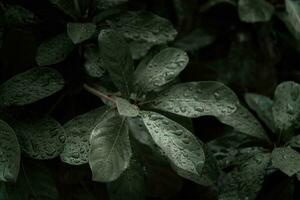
(130, 185)
(286, 109)
(182, 148)
(287, 160)
(78, 131)
(125, 108)
(41, 138)
(110, 151)
(93, 62)
(255, 10)
(30, 86)
(163, 68)
(79, 32)
(145, 26)
(54, 51)
(117, 59)
(10, 153)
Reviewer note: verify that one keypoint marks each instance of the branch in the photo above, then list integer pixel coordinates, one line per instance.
(98, 93)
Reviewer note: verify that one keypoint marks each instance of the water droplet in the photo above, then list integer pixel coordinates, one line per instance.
(217, 95)
(199, 109)
(183, 109)
(178, 132)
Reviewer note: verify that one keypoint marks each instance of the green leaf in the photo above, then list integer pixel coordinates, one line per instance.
(139, 49)
(67, 6)
(117, 59)
(287, 160)
(208, 98)
(54, 50)
(139, 131)
(105, 4)
(125, 108)
(292, 18)
(78, 131)
(10, 153)
(163, 68)
(40, 137)
(262, 105)
(30, 86)
(130, 185)
(295, 142)
(286, 109)
(110, 151)
(145, 26)
(79, 32)
(252, 11)
(15, 15)
(34, 182)
(93, 63)
(182, 148)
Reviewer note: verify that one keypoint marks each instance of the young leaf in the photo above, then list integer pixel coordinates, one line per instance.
(286, 109)
(30, 86)
(110, 150)
(130, 185)
(255, 10)
(93, 63)
(79, 32)
(125, 108)
(41, 138)
(117, 59)
(263, 107)
(145, 26)
(54, 50)
(78, 131)
(287, 160)
(182, 148)
(163, 68)
(10, 153)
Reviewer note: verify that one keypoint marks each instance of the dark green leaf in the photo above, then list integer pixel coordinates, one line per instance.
(110, 151)
(182, 148)
(139, 49)
(30, 86)
(93, 62)
(255, 10)
(292, 18)
(117, 59)
(295, 142)
(54, 51)
(125, 108)
(105, 4)
(10, 153)
(78, 131)
(79, 32)
(287, 160)
(67, 6)
(16, 15)
(163, 68)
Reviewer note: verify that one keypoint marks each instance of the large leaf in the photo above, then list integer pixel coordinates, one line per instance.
(40, 137)
(130, 185)
(182, 148)
(208, 98)
(255, 10)
(292, 18)
(110, 151)
(79, 32)
(163, 68)
(10, 153)
(262, 105)
(286, 109)
(117, 59)
(145, 26)
(30, 86)
(54, 50)
(78, 131)
(287, 160)
(125, 108)
(93, 62)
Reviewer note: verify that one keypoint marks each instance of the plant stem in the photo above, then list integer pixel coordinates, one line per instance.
(98, 93)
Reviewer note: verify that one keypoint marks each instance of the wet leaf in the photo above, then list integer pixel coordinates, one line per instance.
(125, 108)
(79, 32)
(93, 63)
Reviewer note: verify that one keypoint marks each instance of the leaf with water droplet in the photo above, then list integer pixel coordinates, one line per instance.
(10, 153)
(286, 109)
(78, 131)
(54, 50)
(79, 32)
(182, 148)
(125, 108)
(117, 59)
(145, 27)
(93, 63)
(163, 68)
(286, 160)
(110, 150)
(30, 86)
(130, 185)
(40, 137)
(253, 11)
(139, 49)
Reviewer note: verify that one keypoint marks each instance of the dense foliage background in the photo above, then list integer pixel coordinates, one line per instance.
(250, 46)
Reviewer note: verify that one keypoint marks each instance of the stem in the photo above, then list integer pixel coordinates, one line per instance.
(98, 93)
